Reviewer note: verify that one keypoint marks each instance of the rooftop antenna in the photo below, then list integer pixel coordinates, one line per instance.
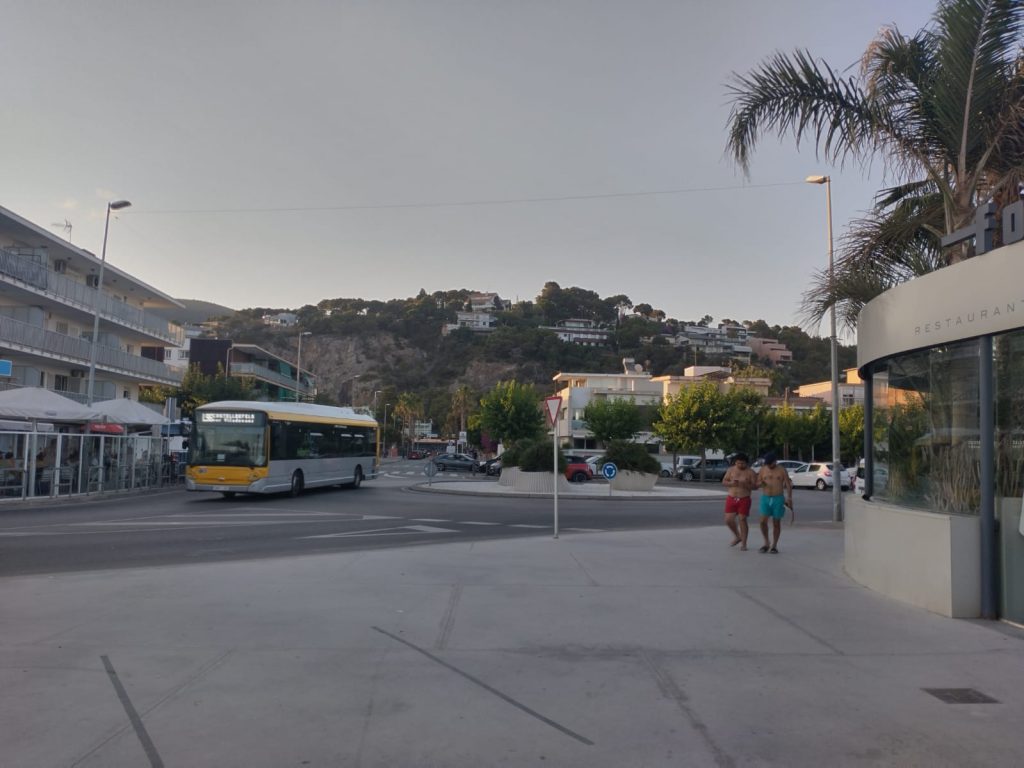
(66, 226)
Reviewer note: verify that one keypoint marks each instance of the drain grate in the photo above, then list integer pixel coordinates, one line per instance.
(960, 696)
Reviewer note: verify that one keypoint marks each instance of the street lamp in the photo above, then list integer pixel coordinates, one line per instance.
(386, 424)
(116, 205)
(298, 365)
(837, 466)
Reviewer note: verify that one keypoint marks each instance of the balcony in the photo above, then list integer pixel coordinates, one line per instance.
(32, 340)
(29, 274)
(256, 371)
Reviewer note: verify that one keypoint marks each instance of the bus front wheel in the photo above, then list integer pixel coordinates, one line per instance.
(357, 478)
(297, 483)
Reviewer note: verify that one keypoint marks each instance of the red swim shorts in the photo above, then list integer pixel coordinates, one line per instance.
(734, 505)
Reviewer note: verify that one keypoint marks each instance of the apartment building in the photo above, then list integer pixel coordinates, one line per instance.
(478, 322)
(578, 390)
(48, 288)
(771, 350)
(580, 331)
(725, 342)
(275, 377)
(851, 389)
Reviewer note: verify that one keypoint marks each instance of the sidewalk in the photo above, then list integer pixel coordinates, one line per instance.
(653, 648)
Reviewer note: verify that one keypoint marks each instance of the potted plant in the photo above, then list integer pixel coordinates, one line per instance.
(529, 465)
(638, 469)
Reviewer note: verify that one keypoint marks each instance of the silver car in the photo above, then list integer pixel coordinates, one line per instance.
(818, 475)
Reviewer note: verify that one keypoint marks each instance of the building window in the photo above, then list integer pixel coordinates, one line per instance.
(60, 383)
(61, 327)
(847, 399)
(183, 354)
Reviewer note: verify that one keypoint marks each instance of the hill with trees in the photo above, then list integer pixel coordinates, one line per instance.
(362, 346)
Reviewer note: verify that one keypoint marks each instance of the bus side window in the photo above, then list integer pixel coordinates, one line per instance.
(278, 441)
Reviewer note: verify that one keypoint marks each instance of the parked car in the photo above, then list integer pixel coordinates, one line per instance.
(493, 468)
(415, 454)
(447, 461)
(594, 462)
(881, 478)
(577, 470)
(683, 463)
(714, 469)
(486, 464)
(667, 468)
(818, 476)
(786, 464)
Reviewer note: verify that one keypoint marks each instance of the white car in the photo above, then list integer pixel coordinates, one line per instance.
(818, 475)
(787, 464)
(881, 479)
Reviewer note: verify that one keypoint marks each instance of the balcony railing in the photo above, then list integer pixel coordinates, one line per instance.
(262, 372)
(21, 269)
(37, 340)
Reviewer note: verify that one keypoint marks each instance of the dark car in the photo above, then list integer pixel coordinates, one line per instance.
(485, 465)
(577, 470)
(448, 461)
(714, 469)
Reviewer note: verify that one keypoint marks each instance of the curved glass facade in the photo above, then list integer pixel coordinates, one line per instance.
(927, 425)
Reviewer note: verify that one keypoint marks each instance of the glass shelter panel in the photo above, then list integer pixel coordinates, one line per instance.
(926, 442)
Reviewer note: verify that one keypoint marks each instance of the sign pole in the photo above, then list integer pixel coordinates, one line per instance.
(555, 473)
(553, 406)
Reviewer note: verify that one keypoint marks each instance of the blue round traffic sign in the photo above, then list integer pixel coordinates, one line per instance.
(609, 470)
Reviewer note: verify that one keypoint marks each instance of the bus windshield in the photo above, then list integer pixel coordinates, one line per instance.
(229, 439)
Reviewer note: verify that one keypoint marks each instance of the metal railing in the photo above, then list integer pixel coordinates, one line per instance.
(262, 372)
(50, 465)
(22, 269)
(52, 344)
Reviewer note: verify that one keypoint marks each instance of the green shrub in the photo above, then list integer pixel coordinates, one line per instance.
(631, 456)
(532, 456)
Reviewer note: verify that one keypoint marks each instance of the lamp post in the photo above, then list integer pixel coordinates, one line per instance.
(386, 425)
(116, 205)
(298, 366)
(837, 466)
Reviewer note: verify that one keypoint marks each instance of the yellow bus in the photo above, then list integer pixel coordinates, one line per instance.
(237, 446)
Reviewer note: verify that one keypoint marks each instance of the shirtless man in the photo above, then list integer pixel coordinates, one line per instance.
(774, 482)
(740, 480)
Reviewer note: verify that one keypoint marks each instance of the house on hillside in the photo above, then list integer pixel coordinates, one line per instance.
(281, 318)
(478, 322)
(580, 331)
(771, 350)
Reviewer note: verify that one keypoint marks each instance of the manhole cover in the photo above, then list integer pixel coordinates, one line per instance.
(960, 696)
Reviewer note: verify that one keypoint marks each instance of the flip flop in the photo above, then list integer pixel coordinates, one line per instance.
(763, 549)
(774, 551)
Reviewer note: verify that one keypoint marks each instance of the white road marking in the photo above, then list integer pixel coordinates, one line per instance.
(472, 522)
(429, 520)
(585, 530)
(403, 530)
(525, 525)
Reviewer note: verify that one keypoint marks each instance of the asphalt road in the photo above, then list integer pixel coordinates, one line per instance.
(175, 527)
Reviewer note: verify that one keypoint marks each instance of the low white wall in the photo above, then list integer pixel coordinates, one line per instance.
(532, 482)
(927, 559)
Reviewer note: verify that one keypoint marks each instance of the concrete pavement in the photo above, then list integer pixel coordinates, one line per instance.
(653, 648)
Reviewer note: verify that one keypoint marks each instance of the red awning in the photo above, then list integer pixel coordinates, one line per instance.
(97, 427)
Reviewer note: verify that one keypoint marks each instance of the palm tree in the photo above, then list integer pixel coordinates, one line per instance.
(944, 112)
(409, 409)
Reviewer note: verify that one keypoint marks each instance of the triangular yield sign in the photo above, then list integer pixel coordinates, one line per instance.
(553, 405)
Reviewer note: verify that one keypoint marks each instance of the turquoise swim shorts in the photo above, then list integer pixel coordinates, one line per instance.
(773, 506)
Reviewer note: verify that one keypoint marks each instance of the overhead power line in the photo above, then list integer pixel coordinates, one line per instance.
(461, 203)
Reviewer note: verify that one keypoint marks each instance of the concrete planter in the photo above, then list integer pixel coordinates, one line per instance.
(531, 482)
(628, 480)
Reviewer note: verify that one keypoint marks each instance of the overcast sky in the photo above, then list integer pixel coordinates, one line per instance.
(195, 110)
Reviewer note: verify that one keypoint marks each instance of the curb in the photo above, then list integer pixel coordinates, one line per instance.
(60, 501)
(425, 488)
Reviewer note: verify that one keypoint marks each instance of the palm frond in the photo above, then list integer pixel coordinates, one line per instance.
(797, 95)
